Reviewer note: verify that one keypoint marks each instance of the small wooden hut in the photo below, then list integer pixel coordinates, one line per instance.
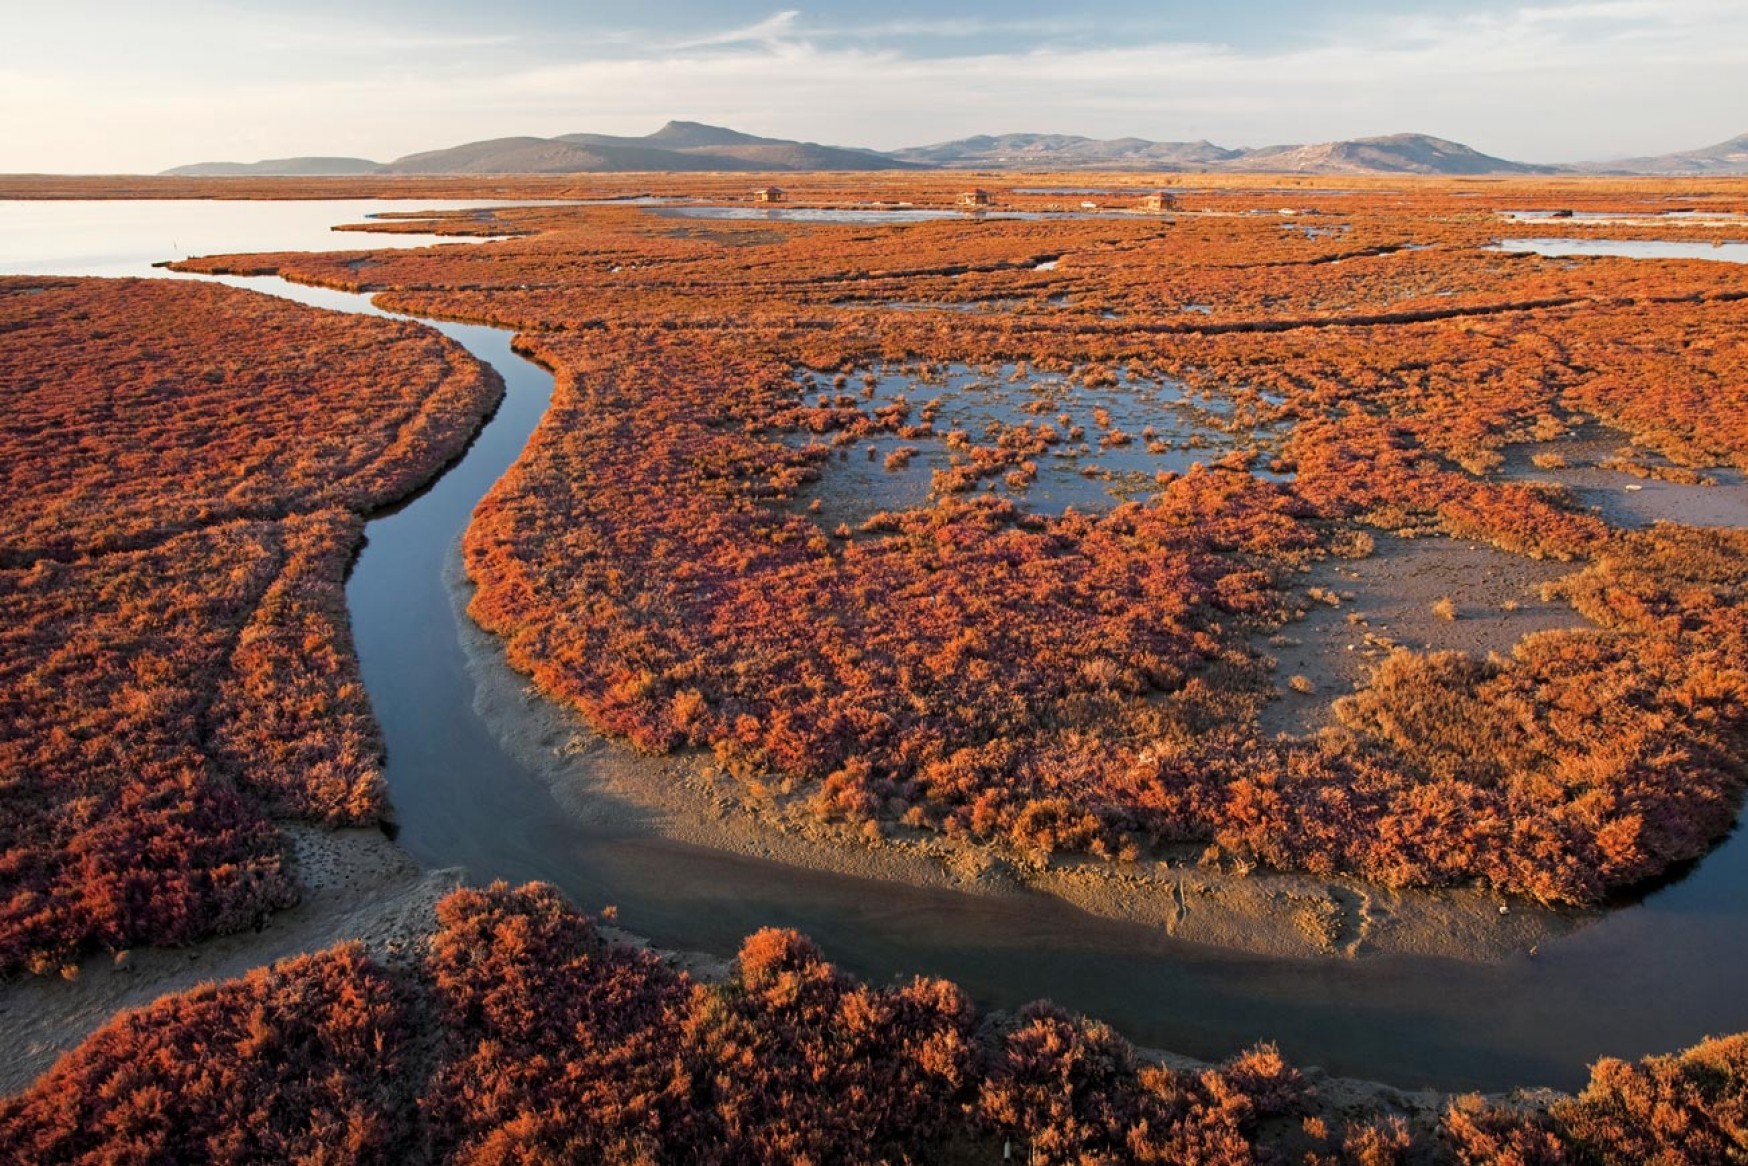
(1159, 200)
(976, 197)
(768, 194)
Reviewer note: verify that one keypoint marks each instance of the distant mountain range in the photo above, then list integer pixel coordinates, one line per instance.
(682, 146)
(1396, 154)
(280, 167)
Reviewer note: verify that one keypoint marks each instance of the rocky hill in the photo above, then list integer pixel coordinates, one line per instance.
(1729, 157)
(1392, 154)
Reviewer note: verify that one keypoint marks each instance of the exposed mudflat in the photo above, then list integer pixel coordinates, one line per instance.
(1578, 462)
(1393, 598)
(357, 886)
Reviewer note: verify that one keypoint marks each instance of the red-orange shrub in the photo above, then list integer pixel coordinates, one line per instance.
(303, 1061)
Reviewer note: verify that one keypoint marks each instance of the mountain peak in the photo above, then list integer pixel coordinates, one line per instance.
(680, 135)
(1386, 154)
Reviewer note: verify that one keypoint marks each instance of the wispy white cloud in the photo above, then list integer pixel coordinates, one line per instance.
(777, 29)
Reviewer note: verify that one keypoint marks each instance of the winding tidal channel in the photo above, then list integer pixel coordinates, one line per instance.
(1652, 976)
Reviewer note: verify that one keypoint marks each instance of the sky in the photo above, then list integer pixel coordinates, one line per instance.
(120, 86)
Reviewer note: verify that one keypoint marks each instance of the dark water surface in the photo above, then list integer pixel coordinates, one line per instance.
(1653, 976)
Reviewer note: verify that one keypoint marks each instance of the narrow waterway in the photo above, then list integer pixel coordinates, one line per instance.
(1651, 977)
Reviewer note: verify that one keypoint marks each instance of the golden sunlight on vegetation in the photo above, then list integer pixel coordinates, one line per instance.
(1045, 680)
(185, 468)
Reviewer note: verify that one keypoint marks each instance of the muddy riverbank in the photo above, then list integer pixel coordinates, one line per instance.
(686, 799)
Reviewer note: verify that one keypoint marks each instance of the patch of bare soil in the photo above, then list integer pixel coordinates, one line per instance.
(1628, 486)
(1435, 594)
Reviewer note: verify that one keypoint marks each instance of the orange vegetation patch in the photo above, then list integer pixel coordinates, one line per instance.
(965, 650)
(137, 409)
(787, 1060)
(522, 1035)
(1083, 681)
(301, 1061)
(186, 467)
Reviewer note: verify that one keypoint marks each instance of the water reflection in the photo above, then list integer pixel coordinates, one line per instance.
(127, 236)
